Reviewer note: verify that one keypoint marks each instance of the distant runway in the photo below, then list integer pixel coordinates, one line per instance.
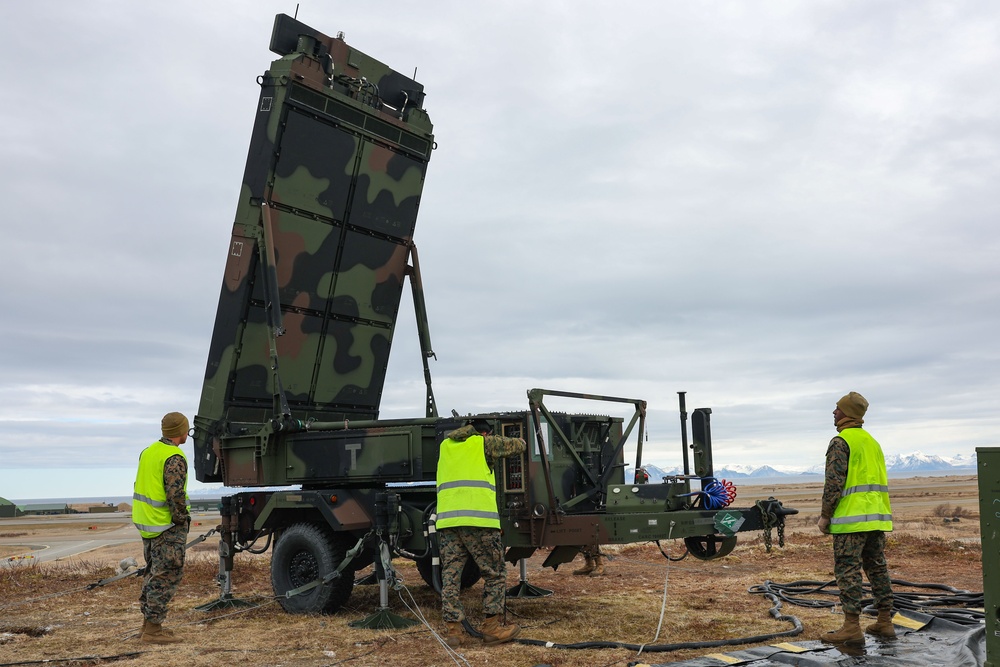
(42, 539)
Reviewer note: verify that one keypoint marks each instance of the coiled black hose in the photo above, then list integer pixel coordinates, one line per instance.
(960, 606)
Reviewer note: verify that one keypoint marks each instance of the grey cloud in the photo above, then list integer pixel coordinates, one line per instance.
(765, 207)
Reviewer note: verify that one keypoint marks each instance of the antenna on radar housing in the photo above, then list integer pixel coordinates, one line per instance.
(296, 16)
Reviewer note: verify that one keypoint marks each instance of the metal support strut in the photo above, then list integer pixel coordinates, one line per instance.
(383, 618)
(225, 580)
(525, 590)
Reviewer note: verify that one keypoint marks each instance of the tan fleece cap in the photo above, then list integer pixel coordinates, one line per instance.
(853, 405)
(174, 425)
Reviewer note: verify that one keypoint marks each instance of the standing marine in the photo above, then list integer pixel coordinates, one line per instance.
(857, 513)
(161, 512)
(593, 562)
(468, 525)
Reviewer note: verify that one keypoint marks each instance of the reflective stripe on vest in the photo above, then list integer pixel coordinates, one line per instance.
(150, 510)
(864, 502)
(864, 487)
(466, 487)
(472, 483)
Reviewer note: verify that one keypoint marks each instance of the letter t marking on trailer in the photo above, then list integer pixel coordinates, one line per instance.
(353, 448)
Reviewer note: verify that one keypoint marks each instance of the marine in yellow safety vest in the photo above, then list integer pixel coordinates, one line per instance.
(468, 525)
(856, 511)
(161, 512)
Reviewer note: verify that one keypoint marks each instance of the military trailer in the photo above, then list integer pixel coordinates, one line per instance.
(321, 247)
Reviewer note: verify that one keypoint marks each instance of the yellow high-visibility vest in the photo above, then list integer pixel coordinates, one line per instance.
(150, 511)
(864, 502)
(466, 486)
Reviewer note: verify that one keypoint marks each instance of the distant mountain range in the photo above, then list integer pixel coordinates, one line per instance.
(915, 462)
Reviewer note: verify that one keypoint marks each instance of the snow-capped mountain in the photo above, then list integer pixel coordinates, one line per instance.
(961, 461)
(895, 463)
(916, 461)
(656, 473)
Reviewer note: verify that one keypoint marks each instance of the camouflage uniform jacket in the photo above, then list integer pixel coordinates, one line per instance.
(838, 455)
(174, 481)
(496, 447)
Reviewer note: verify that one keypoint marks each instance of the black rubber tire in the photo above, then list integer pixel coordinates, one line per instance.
(306, 552)
(470, 573)
(710, 547)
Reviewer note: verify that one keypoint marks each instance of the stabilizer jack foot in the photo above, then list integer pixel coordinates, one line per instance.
(526, 590)
(224, 602)
(383, 619)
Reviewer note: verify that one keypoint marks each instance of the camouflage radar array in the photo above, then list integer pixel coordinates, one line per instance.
(321, 246)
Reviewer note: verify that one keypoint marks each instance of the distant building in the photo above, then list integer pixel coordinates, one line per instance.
(8, 509)
(205, 504)
(102, 509)
(45, 508)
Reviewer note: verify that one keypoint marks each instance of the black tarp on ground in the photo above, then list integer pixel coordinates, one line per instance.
(921, 641)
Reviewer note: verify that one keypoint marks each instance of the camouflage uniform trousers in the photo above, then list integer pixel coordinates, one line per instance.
(164, 569)
(486, 549)
(851, 553)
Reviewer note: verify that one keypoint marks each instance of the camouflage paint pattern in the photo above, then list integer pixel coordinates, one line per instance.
(175, 486)
(853, 552)
(164, 570)
(324, 228)
(486, 549)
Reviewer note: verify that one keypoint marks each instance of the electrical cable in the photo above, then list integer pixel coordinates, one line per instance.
(718, 493)
(663, 604)
(666, 579)
(774, 611)
(668, 556)
(791, 592)
(663, 648)
(714, 494)
(85, 658)
(455, 656)
(248, 548)
(961, 606)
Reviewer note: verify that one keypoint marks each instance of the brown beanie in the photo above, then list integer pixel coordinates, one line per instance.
(174, 425)
(853, 405)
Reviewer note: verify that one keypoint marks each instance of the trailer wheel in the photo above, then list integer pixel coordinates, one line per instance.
(710, 547)
(470, 573)
(304, 553)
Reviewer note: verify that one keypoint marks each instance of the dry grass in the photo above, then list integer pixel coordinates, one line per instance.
(705, 601)
(956, 512)
(47, 613)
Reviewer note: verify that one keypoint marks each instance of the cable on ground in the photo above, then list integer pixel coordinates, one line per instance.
(960, 606)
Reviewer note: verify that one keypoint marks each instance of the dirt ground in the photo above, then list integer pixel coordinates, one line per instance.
(49, 612)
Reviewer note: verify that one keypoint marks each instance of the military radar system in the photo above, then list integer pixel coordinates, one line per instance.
(321, 247)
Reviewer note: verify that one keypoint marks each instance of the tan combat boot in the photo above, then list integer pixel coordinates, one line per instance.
(850, 633)
(454, 634)
(154, 633)
(883, 626)
(494, 633)
(598, 570)
(167, 631)
(588, 567)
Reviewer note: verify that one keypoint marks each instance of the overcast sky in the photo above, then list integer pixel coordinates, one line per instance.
(763, 204)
